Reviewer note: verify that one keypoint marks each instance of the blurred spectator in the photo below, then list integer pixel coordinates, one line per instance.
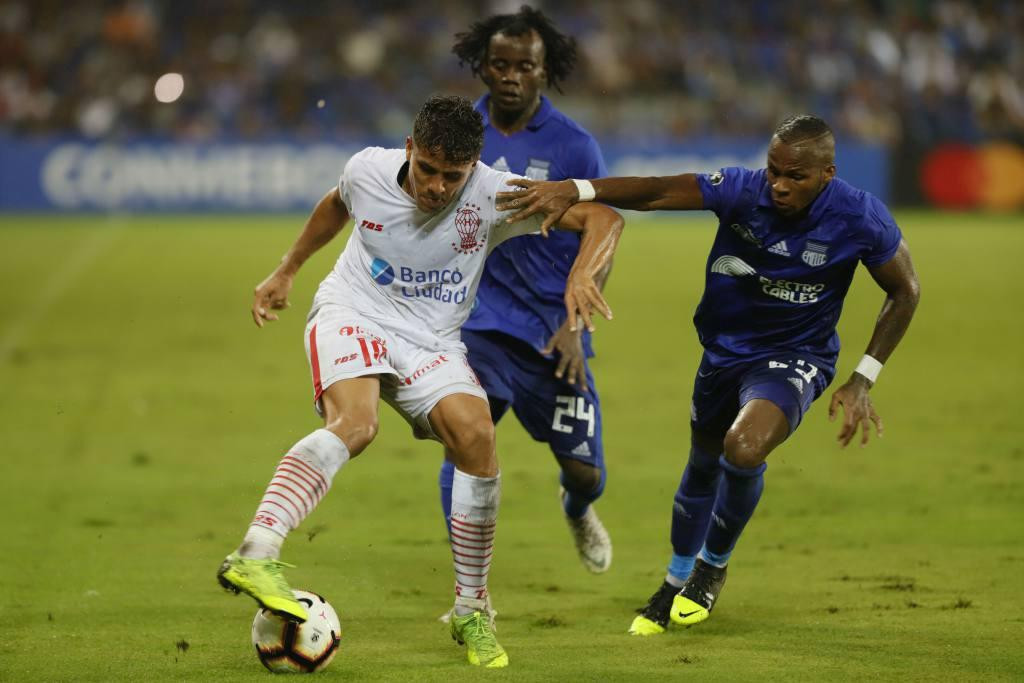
(880, 70)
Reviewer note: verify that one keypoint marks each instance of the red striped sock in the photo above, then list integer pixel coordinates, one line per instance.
(474, 515)
(301, 480)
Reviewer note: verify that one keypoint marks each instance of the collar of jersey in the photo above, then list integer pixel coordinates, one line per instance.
(539, 119)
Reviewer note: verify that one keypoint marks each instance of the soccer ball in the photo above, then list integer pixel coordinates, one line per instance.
(289, 647)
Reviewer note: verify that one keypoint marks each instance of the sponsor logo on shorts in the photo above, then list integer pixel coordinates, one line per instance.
(583, 450)
(467, 224)
(428, 368)
(344, 359)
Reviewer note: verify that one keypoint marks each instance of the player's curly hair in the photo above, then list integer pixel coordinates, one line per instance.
(559, 49)
(449, 124)
(802, 127)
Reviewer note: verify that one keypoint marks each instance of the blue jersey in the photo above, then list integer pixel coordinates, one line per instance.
(523, 285)
(777, 285)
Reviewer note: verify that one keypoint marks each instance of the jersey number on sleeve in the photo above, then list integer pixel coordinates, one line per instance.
(575, 407)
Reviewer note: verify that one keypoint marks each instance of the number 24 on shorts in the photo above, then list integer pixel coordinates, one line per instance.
(574, 407)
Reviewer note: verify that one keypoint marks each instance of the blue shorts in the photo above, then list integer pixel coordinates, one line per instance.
(790, 381)
(515, 375)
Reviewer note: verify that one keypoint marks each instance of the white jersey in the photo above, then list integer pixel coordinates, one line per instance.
(413, 272)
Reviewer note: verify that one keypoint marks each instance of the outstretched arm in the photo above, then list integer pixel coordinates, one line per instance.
(328, 218)
(898, 280)
(678, 192)
(601, 228)
(568, 343)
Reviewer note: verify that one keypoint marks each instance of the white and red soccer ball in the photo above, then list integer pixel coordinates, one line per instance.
(289, 647)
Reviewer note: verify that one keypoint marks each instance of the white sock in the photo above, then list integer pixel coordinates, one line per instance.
(302, 478)
(474, 515)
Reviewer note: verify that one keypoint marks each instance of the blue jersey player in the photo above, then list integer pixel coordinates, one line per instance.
(520, 343)
(789, 239)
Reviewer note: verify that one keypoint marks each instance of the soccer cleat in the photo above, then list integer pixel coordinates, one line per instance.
(263, 580)
(698, 595)
(476, 632)
(653, 618)
(492, 614)
(593, 544)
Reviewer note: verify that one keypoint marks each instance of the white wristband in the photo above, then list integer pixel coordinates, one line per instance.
(585, 189)
(869, 367)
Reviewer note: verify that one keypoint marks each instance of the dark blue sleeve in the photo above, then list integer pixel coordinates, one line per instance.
(590, 161)
(883, 238)
(723, 189)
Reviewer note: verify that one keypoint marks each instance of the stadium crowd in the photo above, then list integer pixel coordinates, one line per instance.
(886, 71)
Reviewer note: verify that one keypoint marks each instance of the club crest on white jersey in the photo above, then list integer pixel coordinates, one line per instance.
(467, 224)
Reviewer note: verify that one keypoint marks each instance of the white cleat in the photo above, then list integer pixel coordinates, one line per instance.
(593, 544)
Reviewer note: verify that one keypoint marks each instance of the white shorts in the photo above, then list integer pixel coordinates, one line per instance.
(343, 344)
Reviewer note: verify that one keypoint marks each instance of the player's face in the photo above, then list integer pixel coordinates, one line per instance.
(513, 70)
(797, 175)
(432, 180)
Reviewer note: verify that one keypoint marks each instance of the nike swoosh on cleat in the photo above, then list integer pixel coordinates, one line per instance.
(687, 614)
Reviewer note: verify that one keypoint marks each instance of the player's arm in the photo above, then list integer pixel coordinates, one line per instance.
(902, 290)
(328, 218)
(600, 228)
(568, 343)
(678, 192)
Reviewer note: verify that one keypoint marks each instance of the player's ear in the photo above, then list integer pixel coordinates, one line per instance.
(830, 172)
(408, 147)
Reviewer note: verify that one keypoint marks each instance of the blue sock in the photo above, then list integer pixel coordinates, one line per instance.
(444, 482)
(737, 499)
(691, 510)
(576, 500)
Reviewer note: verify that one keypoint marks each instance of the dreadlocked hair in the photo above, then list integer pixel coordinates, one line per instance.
(449, 124)
(559, 49)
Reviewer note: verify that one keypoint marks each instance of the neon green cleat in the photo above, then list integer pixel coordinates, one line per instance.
(263, 580)
(699, 594)
(653, 617)
(642, 626)
(476, 632)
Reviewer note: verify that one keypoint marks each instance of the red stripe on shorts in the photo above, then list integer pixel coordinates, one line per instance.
(314, 363)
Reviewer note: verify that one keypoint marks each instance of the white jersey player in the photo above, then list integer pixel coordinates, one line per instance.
(385, 324)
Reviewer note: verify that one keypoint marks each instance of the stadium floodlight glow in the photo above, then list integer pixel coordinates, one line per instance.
(169, 87)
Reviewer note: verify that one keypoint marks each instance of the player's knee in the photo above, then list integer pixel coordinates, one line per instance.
(580, 477)
(745, 450)
(357, 431)
(472, 440)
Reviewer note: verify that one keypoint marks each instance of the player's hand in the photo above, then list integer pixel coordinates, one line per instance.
(857, 411)
(582, 298)
(571, 359)
(270, 294)
(538, 196)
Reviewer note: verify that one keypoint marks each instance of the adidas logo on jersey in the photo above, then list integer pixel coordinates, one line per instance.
(779, 248)
(583, 450)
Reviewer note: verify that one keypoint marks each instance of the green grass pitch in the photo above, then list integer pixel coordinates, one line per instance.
(142, 413)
